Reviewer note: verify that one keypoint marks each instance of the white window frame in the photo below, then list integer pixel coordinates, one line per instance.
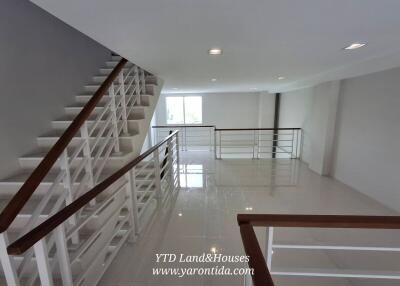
(183, 109)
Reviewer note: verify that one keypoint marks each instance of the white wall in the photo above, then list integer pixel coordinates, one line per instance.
(225, 110)
(44, 64)
(295, 112)
(314, 110)
(367, 155)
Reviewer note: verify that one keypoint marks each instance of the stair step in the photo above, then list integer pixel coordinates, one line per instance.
(50, 138)
(10, 185)
(116, 58)
(133, 121)
(92, 88)
(33, 159)
(113, 63)
(150, 79)
(84, 98)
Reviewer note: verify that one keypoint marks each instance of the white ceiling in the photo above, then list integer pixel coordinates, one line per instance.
(261, 39)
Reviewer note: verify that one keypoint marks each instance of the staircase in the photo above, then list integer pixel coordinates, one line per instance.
(111, 136)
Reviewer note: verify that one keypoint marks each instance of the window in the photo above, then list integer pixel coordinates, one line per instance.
(184, 110)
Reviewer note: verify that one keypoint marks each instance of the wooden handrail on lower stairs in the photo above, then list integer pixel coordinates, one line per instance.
(36, 234)
(247, 222)
(19, 200)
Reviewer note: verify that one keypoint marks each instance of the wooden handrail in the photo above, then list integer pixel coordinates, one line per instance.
(19, 200)
(39, 232)
(321, 221)
(247, 129)
(247, 222)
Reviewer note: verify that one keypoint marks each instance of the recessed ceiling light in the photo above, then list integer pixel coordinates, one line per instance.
(281, 77)
(179, 214)
(249, 208)
(213, 249)
(354, 46)
(215, 51)
(213, 79)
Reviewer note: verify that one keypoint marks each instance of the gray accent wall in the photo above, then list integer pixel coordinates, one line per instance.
(44, 63)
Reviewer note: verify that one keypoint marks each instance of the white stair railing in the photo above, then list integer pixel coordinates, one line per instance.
(150, 179)
(75, 163)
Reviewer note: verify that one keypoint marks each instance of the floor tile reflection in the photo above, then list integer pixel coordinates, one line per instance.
(202, 218)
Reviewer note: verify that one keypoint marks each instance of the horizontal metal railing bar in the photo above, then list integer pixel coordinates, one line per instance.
(28, 240)
(335, 247)
(182, 126)
(338, 273)
(246, 129)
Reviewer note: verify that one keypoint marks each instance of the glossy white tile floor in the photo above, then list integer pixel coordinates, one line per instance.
(203, 216)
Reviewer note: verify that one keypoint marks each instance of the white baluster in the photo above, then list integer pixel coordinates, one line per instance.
(63, 256)
(42, 261)
(7, 262)
(64, 166)
(138, 86)
(248, 280)
(157, 175)
(123, 103)
(178, 159)
(269, 241)
(143, 79)
(87, 154)
(114, 119)
(135, 209)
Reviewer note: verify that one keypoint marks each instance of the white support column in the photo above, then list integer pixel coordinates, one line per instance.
(63, 256)
(133, 196)
(114, 118)
(123, 103)
(157, 175)
(43, 265)
(7, 262)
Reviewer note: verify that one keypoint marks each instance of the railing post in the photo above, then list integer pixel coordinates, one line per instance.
(64, 166)
(269, 241)
(157, 175)
(291, 151)
(248, 280)
(63, 256)
(114, 118)
(220, 144)
(143, 80)
(7, 262)
(170, 161)
(123, 103)
(135, 211)
(254, 143)
(87, 154)
(138, 86)
(178, 160)
(210, 141)
(42, 261)
(215, 143)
